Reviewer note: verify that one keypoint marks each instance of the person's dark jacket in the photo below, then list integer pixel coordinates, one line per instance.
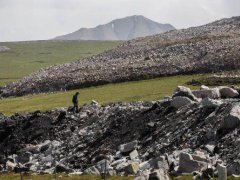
(75, 99)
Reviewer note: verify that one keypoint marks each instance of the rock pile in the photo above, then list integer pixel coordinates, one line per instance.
(210, 48)
(145, 139)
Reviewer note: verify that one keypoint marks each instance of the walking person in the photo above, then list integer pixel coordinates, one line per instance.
(75, 102)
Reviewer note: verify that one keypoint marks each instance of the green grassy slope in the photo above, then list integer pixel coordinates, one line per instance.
(153, 89)
(27, 57)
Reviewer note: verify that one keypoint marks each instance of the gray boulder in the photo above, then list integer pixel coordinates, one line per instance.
(210, 93)
(233, 168)
(142, 176)
(92, 170)
(188, 165)
(132, 168)
(133, 155)
(228, 92)
(128, 147)
(157, 163)
(24, 157)
(184, 92)
(101, 165)
(179, 101)
(222, 172)
(232, 120)
(62, 168)
(10, 166)
(158, 174)
(210, 103)
(117, 162)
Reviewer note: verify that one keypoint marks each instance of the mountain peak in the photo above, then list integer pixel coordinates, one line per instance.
(126, 28)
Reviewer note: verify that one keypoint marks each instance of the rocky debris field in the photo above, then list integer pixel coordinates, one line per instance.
(210, 48)
(4, 48)
(194, 132)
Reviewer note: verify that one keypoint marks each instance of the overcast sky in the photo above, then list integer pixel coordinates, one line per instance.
(44, 19)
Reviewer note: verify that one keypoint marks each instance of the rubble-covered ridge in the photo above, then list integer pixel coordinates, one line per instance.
(210, 48)
(192, 131)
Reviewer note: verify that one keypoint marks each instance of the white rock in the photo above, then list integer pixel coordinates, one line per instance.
(145, 165)
(133, 155)
(182, 88)
(222, 172)
(210, 93)
(117, 162)
(203, 87)
(10, 165)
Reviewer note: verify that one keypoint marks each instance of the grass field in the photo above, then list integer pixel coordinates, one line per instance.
(59, 176)
(24, 58)
(12, 176)
(153, 89)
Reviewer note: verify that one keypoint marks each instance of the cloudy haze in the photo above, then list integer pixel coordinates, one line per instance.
(44, 19)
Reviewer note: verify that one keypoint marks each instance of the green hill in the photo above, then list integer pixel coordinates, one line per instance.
(24, 58)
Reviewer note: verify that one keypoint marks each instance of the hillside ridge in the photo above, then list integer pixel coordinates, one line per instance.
(205, 49)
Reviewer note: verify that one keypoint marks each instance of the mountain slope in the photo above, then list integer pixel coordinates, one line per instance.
(210, 48)
(120, 29)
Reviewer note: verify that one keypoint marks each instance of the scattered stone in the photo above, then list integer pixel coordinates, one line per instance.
(233, 168)
(24, 157)
(222, 172)
(228, 92)
(210, 148)
(188, 165)
(232, 120)
(102, 165)
(203, 87)
(133, 155)
(210, 103)
(126, 148)
(62, 168)
(158, 174)
(182, 91)
(178, 102)
(92, 170)
(207, 93)
(132, 168)
(10, 166)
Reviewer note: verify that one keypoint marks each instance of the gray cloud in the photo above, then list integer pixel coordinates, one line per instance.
(44, 19)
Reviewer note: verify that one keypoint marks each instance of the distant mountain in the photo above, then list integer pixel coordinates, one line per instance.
(120, 29)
